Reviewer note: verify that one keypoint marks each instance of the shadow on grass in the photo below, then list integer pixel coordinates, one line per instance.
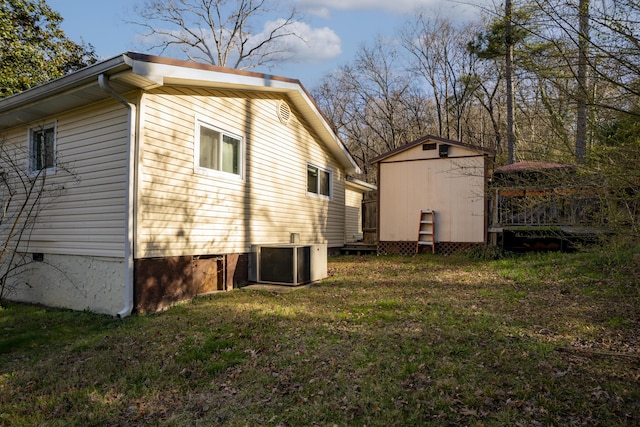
(27, 327)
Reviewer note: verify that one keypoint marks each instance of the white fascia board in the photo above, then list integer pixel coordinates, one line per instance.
(167, 74)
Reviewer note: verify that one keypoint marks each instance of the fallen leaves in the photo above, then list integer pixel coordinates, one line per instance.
(384, 341)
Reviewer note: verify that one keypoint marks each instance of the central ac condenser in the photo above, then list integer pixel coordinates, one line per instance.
(288, 264)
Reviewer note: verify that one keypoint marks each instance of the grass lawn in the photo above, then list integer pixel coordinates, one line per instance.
(547, 339)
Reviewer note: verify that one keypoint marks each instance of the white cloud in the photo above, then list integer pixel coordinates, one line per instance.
(309, 44)
(321, 12)
(398, 6)
(323, 8)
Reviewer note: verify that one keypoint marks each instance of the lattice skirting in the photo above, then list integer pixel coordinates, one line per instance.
(397, 248)
(450, 248)
(409, 248)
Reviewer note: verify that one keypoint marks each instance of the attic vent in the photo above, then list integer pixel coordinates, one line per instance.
(284, 112)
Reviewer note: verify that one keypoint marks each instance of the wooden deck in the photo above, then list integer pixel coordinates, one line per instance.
(547, 207)
(541, 204)
(359, 249)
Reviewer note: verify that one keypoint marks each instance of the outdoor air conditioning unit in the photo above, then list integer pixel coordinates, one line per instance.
(289, 264)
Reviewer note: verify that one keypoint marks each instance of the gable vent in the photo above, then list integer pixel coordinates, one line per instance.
(284, 112)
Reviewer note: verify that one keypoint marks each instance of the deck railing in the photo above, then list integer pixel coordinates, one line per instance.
(546, 207)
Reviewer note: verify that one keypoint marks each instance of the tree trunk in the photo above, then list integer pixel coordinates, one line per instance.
(582, 98)
(511, 136)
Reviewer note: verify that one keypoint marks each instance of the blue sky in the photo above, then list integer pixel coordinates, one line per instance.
(335, 29)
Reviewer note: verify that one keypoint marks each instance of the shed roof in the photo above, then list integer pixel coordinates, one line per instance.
(135, 71)
(433, 138)
(531, 166)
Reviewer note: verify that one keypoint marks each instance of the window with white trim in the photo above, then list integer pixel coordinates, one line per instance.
(42, 149)
(319, 181)
(217, 151)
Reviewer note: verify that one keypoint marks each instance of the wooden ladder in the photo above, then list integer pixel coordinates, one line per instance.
(427, 230)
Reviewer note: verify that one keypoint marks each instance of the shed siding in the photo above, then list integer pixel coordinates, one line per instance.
(181, 212)
(417, 153)
(85, 213)
(451, 187)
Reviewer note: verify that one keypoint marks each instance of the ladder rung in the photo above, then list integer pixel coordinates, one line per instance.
(425, 243)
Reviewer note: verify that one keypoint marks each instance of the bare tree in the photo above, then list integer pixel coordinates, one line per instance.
(441, 60)
(373, 104)
(535, 76)
(593, 60)
(613, 46)
(219, 32)
(487, 91)
(23, 195)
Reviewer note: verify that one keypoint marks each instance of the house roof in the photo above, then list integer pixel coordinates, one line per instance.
(134, 71)
(359, 185)
(426, 138)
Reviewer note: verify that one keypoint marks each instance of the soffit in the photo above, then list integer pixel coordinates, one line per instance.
(69, 92)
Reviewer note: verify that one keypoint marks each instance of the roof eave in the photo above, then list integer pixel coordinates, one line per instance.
(61, 84)
(65, 93)
(358, 184)
(138, 71)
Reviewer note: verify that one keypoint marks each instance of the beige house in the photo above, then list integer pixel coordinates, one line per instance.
(432, 195)
(167, 173)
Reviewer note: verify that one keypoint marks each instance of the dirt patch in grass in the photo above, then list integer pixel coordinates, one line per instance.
(425, 340)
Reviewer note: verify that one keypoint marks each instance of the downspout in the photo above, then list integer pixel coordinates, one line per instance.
(103, 82)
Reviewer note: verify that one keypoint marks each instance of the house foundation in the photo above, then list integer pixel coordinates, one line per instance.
(160, 283)
(69, 281)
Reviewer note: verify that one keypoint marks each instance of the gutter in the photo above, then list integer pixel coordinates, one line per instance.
(359, 184)
(66, 83)
(127, 309)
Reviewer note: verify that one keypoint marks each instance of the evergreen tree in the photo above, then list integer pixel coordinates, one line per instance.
(33, 47)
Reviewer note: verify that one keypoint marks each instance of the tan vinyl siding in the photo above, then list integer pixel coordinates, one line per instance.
(181, 212)
(451, 187)
(85, 214)
(353, 215)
